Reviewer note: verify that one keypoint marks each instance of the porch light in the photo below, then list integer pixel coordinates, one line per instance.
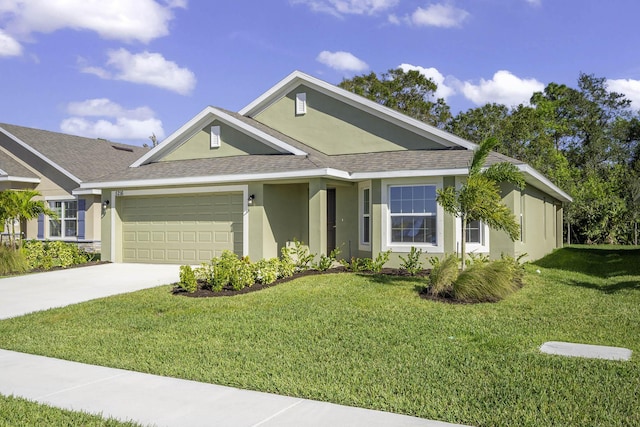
(251, 198)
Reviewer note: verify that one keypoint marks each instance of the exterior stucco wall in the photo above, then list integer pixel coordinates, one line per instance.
(232, 143)
(286, 211)
(542, 224)
(347, 221)
(334, 127)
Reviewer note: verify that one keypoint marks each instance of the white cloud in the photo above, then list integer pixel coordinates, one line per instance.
(9, 46)
(126, 20)
(348, 7)
(444, 91)
(146, 68)
(342, 61)
(505, 88)
(534, 2)
(111, 121)
(630, 88)
(439, 15)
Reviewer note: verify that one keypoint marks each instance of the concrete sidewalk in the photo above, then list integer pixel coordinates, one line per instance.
(162, 401)
(20, 295)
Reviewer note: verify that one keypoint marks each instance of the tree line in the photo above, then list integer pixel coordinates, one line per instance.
(585, 139)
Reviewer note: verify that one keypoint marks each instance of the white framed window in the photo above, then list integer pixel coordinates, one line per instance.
(364, 192)
(301, 104)
(477, 234)
(66, 225)
(215, 136)
(411, 215)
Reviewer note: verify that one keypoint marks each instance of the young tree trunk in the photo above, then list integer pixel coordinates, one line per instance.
(463, 240)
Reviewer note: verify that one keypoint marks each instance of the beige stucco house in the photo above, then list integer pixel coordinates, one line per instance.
(55, 165)
(308, 161)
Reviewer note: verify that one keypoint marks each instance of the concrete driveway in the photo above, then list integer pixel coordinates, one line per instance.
(34, 292)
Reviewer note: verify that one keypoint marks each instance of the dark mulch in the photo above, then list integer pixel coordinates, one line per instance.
(226, 292)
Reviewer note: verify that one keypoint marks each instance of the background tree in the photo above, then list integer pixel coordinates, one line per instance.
(19, 206)
(479, 197)
(409, 92)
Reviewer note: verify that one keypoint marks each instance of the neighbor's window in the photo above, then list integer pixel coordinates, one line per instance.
(67, 223)
(474, 232)
(413, 214)
(366, 217)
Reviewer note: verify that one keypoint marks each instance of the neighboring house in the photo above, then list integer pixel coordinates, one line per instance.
(308, 161)
(56, 164)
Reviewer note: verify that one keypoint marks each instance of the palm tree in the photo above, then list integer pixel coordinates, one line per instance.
(18, 205)
(479, 197)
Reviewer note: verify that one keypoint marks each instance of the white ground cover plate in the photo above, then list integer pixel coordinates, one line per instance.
(585, 350)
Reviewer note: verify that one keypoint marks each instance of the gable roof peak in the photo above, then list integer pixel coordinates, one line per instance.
(284, 86)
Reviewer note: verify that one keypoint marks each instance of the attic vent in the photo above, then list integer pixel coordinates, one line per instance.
(123, 148)
(215, 136)
(301, 104)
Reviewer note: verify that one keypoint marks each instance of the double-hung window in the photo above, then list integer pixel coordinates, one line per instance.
(475, 232)
(66, 225)
(413, 214)
(365, 217)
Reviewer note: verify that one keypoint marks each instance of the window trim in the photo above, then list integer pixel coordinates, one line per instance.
(480, 248)
(362, 187)
(386, 216)
(62, 236)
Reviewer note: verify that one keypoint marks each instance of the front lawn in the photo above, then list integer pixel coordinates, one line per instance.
(373, 342)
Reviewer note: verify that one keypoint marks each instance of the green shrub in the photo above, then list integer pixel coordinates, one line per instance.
(358, 264)
(188, 280)
(48, 254)
(12, 261)
(477, 259)
(287, 267)
(242, 274)
(266, 271)
(301, 255)
(412, 264)
(205, 274)
(486, 282)
(326, 261)
(380, 261)
(443, 274)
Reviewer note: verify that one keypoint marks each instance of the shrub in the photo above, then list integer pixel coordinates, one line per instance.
(443, 275)
(476, 259)
(49, 254)
(12, 261)
(301, 255)
(188, 280)
(326, 261)
(412, 264)
(485, 282)
(358, 264)
(380, 261)
(205, 274)
(241, 275)
(266, 271)
(287, 266)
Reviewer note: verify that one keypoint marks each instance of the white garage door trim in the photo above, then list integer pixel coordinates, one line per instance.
(186, 190)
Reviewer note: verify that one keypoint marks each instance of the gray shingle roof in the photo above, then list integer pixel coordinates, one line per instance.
(86, 158)
(13, 168)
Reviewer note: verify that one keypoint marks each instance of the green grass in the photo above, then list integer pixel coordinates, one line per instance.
(372, 342)
(21, 412)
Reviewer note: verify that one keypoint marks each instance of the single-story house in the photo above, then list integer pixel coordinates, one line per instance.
(55, 165)
(309, 161)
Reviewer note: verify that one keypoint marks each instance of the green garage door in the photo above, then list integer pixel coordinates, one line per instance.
(181, 229)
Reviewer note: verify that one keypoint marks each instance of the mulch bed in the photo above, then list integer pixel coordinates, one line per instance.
(226, 292)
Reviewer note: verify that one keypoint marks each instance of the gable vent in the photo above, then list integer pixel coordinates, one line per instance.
(301, 103)
(215, 136)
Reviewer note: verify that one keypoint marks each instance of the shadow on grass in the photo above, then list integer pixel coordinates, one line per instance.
(604, 262)
(608, 289)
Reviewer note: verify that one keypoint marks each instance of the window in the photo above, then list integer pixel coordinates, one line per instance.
(475, 232)
(365, 231)
(522, 217)
(413, 214)
(215, 136)
(301, 103)
(67, 223)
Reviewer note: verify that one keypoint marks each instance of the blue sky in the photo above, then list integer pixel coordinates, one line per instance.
(122, 69)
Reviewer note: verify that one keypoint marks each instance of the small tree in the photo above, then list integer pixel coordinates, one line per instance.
(19, 206)
(479, 197)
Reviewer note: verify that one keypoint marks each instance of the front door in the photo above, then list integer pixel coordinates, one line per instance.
(331, 219)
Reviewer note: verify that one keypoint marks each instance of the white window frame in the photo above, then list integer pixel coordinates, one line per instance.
(386, 216)
(62, 218)
(362, 187)
(481, 248)
(301, 104)
(215, 137)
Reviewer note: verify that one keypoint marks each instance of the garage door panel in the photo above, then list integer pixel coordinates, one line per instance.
(181, 229)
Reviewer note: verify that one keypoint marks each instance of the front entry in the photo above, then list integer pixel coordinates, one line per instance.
(331, 219)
